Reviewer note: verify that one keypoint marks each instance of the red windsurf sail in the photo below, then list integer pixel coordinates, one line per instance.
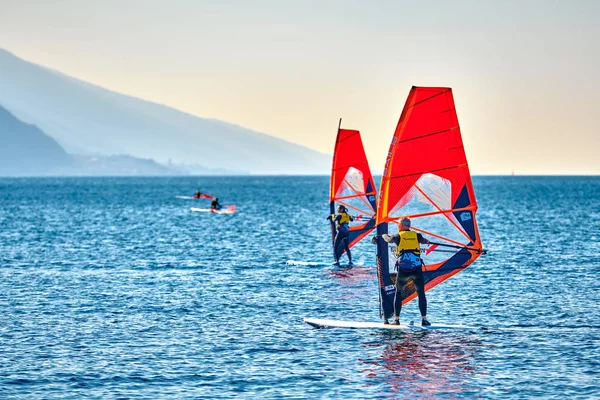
(427, 179)
(352, 185)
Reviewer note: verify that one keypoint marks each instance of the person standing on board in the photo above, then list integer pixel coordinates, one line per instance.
(214, 205)
(408, 267)
(197, 194)
(342, 237)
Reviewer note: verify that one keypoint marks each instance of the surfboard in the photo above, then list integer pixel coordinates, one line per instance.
(323, 264)
(330, 323)
(202, 196)
(223, 210)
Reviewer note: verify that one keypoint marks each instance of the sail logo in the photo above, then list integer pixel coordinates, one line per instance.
(465, 216)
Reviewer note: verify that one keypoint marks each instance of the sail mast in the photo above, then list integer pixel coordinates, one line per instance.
(332, 189)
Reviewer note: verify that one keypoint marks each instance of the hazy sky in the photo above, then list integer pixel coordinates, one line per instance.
(525, 74)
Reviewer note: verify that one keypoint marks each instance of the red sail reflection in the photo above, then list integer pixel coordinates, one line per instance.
(423, 364)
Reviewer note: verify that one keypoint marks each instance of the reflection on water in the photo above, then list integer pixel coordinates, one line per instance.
(422, 364)
(354, 275)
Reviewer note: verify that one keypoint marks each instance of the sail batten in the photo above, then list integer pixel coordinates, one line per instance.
(428, 134)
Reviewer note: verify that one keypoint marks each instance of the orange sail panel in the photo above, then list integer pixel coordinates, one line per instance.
(352, 185)
(426, 178)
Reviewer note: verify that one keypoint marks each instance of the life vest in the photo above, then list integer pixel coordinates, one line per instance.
(345, 219)
(408, 252)
(343, 223)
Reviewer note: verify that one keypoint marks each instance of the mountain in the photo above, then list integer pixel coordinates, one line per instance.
(118, 165)
(88, 119)
(26, 150)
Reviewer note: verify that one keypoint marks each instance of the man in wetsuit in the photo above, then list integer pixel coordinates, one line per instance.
(214, 205)
(342, 237)
(197, 194)
(408, 267)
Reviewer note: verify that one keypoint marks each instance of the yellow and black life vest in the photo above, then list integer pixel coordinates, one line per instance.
(344, 220)
(409, 241)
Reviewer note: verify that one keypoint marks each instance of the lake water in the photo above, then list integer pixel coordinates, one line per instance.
(112, 288)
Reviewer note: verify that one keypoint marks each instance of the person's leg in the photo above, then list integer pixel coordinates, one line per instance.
(420, 288)
(337, 246)
(347, 247)
(401, 282)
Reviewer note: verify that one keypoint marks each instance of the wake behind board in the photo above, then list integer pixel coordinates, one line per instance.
(330, 323)
(223, 210)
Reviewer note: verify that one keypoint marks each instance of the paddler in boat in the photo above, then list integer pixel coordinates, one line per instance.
(408, 267)
(214, 205)
(342, 237)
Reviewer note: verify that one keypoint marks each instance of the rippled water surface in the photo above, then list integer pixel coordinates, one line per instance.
(112, 288)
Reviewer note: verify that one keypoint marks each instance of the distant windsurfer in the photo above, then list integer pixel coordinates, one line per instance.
(408, 267)
(214, 205)
(342, 237)
(197, 195)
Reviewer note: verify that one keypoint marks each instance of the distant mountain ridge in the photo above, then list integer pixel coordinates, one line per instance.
(25, 149)
(88, 119)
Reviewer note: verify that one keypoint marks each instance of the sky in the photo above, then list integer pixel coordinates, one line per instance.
(525, 74)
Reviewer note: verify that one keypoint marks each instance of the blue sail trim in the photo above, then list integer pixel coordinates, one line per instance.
(465, 218)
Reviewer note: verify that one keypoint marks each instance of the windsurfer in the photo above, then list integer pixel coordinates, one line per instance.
(342, 237)
(214, 205)
(197, 194)
(408, 267)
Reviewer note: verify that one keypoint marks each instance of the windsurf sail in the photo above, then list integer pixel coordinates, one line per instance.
(352, 185)
(426, 178)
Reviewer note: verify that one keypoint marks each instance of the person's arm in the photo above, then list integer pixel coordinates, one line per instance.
(351, 217)
(334, 218)
(421, 239)
(394, 239)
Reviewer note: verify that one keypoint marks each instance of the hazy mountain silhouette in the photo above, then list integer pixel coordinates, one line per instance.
(88, 119)
(26, 150)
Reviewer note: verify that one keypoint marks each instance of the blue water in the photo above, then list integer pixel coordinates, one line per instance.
(112, 288)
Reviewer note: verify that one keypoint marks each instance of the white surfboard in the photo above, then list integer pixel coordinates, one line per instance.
(202, 196)
(223, 210)
(323, 264)
(330, 323)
